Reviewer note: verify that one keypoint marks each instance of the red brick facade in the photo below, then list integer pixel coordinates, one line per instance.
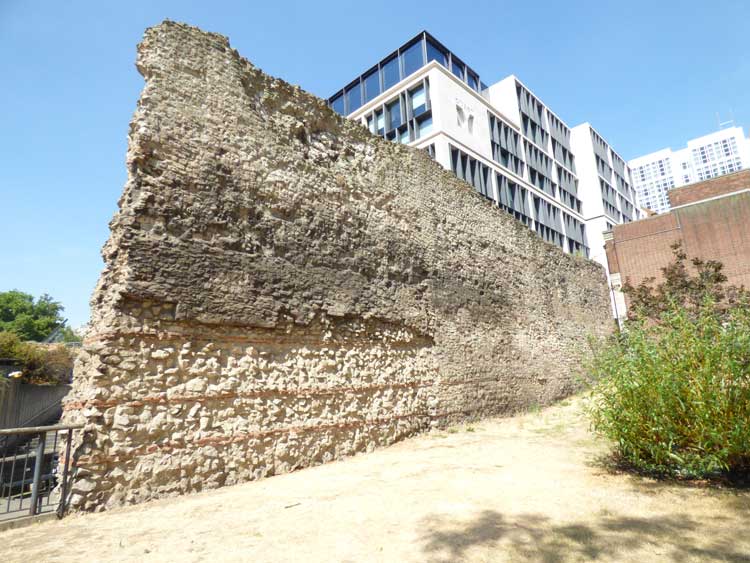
(715, 187)
(711, 218)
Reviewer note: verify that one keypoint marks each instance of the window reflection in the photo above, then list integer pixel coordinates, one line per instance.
(380, 122)
(338, 104)
(418, 101)
(424, 127)
(413, 59)
(473, 81)
(394, 114)
(457, 67)
(372, 85)
(390, 73)
(353, 98)
(404, 117)
(435, 53)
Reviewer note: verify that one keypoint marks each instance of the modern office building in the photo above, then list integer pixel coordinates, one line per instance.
(501, 139)
(722, 152)
(605, 187)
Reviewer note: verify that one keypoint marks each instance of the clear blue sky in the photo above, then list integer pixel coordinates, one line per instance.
(646, 74)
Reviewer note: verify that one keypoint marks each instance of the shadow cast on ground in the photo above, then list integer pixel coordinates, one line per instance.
(610, 462)
(531, 537)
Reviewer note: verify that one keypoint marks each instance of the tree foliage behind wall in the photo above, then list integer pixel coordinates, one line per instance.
(29, 318)
(683, 286)
(24, 323)
(38, 363)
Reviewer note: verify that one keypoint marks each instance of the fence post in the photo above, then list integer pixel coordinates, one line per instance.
(66, 464)
(37, 473)
(9, 403)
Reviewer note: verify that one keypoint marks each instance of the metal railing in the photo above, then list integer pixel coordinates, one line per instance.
(34, 478)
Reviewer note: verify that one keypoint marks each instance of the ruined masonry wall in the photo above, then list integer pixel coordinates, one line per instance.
(283, 289)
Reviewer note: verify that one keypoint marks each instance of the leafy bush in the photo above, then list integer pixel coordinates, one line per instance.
(29, 318)
(9, 344)
(39, 363)
(649, 300)
(672, 389)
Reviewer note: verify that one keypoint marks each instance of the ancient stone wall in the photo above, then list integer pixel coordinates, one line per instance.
(282, 289)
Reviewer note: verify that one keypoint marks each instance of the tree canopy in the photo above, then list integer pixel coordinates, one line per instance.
(683, 286)
(29, 318)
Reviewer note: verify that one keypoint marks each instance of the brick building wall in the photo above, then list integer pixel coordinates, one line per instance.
(714, 187)
(711, 218)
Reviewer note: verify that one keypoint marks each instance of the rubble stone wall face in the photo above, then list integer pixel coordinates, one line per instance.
(283, 289)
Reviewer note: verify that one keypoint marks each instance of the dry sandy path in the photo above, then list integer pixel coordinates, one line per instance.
(520, 489)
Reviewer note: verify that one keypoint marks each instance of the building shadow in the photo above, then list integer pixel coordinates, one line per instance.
(536, 538)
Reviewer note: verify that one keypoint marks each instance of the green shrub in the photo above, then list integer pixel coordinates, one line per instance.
(675, 396)
(672, 389)
(40, 363)
(9, 345)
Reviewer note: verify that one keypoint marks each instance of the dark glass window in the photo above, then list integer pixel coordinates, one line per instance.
(372, 85)
(353, 98)
(458, 68)
(418, 100)
(338, 104)
(379, 122)
(413, 59)
(435, 53)
(473, 81)
(390, 73)
(394, 114)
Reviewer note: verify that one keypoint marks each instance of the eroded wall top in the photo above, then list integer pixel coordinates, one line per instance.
(283, 288)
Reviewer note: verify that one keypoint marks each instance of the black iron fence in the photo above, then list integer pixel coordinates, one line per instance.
(36, 470)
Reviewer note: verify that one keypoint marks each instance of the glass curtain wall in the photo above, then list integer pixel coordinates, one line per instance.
(394, 68)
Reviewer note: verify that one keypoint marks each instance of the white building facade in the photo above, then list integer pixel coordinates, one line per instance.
(606, 187)
(501, 139)
(722, 152)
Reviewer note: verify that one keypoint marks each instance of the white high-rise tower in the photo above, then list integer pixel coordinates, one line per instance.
(709, 156)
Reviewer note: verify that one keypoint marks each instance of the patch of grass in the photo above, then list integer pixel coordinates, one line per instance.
(551, 430)
(534, 408)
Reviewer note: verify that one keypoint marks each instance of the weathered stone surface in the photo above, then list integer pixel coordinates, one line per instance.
(282, 289)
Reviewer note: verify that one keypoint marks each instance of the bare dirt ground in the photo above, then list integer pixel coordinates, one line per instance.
(526, 488)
